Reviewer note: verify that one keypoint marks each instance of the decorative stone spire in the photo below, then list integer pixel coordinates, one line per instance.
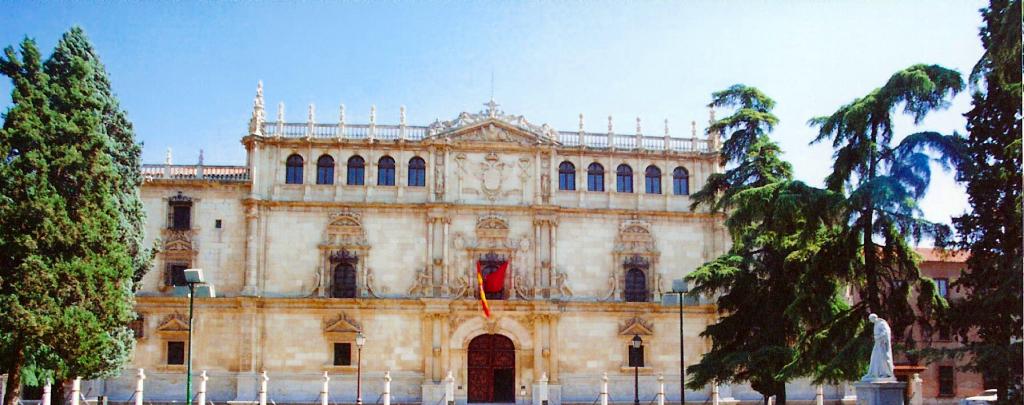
(401, 116)
(693, 129)
(610, 130)
(311, 115)
(581, 122)
(341, 121)
(666, 126)
(167, 160)
(638, 131)
(373, 114)
(200, 157)
(258, 114)
(280, 112)
(492, 108)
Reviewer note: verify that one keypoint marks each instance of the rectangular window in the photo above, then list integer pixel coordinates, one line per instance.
(943, 287)
(946, 381)
(175, 274)
(217, 224)
(182, 217)
(138, 327)
(175, 353)
(342, 354)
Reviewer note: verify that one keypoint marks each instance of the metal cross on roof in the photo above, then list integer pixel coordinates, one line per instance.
(492, 108)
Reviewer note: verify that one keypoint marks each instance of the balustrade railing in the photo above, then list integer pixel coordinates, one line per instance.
(418, 133)
(188, 172)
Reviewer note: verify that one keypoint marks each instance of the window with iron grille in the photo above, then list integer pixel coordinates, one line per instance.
(181, 216)
(342, 354)
(946, 381)
(636, 286)
(175, 353)
(174, 275)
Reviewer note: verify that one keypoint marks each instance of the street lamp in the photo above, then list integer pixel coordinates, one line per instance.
(637, 358)
(360, 341)
(196, 284)
(679, 289)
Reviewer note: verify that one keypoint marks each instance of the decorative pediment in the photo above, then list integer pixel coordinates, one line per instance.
(493, 125)
(173, 324)
(345, 229)
(635, 237)
(342, 327)
(636, 326)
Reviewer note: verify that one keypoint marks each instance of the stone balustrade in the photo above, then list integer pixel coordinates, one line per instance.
(195, 172)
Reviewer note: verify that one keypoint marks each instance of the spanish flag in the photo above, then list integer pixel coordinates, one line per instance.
(492, 282)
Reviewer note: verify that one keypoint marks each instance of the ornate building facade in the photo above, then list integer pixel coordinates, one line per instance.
(334, 229)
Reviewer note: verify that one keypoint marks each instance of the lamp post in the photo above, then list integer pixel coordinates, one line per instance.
(360, 341)
(679, 289)
(638, 345)
(196, 282)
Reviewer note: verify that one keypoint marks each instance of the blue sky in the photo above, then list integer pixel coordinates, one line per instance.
(186, 72)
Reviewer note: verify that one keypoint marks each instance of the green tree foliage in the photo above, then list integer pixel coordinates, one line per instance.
(70, 221)
(881, 184)
(988, 319)
(772, 220)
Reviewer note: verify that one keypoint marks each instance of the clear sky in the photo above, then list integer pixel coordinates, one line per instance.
(186, 72)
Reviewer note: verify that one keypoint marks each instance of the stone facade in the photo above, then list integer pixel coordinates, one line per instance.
(280, 248)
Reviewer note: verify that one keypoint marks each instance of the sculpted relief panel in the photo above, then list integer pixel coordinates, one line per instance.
(494, 177)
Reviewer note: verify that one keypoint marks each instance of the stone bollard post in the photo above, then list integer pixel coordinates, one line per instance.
(76, 390)
(819, 396)
(543, 394)
(387, 388)
(916, 397)
(449, 389)
(325, 390)
(661, 389)
(714, 393)
(604, 389)
(263, 387)
(201, 395)
(140, 379)
(47, 392)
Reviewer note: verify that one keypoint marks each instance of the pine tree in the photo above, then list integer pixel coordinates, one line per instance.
(988, 319)
(881, 183)
(771, 218)
(74, 250)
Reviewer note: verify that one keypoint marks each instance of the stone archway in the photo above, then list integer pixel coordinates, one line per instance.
(491, 369)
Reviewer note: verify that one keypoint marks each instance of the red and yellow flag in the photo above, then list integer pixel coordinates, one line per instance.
(483, 295)
(492, 282)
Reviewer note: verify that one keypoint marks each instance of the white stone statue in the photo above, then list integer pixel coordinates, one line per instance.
(881, 366)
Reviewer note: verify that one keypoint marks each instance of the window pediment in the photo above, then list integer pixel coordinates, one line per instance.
(173, 326)
(342, 327)
(636, 326)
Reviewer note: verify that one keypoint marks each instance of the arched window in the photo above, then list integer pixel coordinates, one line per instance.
(386, 171)
(417, 172)
(680, 181)
(343, 281)
(566, 176)
(652, 179)
(624, 179)
(293, 170)
(636, 286)
(325, 170)
(595, 177)
(356, 166)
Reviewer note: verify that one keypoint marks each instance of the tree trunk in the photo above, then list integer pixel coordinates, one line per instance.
(780, 398)
(13, 392)
(61, 393)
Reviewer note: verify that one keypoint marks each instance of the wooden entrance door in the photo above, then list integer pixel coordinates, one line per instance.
(492, 365)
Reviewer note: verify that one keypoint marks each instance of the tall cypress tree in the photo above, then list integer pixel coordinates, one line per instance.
(71, 263)
(988, 319)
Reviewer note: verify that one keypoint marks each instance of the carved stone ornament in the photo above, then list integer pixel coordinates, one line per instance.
(562, 284)
(173, 323)
(492, 226)
(492, 176)
(491, 326)
(371, 282)
(342, 327)
(635, 237)
(636, 326)
(345, 229)
(423, 284)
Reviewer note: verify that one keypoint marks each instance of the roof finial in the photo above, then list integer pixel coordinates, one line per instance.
(666, 126)
(492, 108)
(610, 124)
(312, 113)
(280, 112)
(693, 128)
(401, 115)
(341, 114)
(373, 114)
(581, 122)
(200, 157)
(258, 116)
(638, 131)
(167, 160)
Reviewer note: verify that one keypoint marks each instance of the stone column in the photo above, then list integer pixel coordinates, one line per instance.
(251, 253)
(553, 348)
(538, 349)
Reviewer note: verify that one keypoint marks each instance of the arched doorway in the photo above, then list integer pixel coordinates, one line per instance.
(492, 369)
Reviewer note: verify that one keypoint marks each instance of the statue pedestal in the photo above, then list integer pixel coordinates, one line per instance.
(880, 392)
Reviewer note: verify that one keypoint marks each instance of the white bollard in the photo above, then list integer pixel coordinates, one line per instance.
(714, 393)
(604, 389)
(387, 388)
(46, 393)
(139, 386)
(201, 395)
(819, 396)
(661, 389)
(325, 390)
(76, 390)
(263, 387)
(543, 396)
(449, 389)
